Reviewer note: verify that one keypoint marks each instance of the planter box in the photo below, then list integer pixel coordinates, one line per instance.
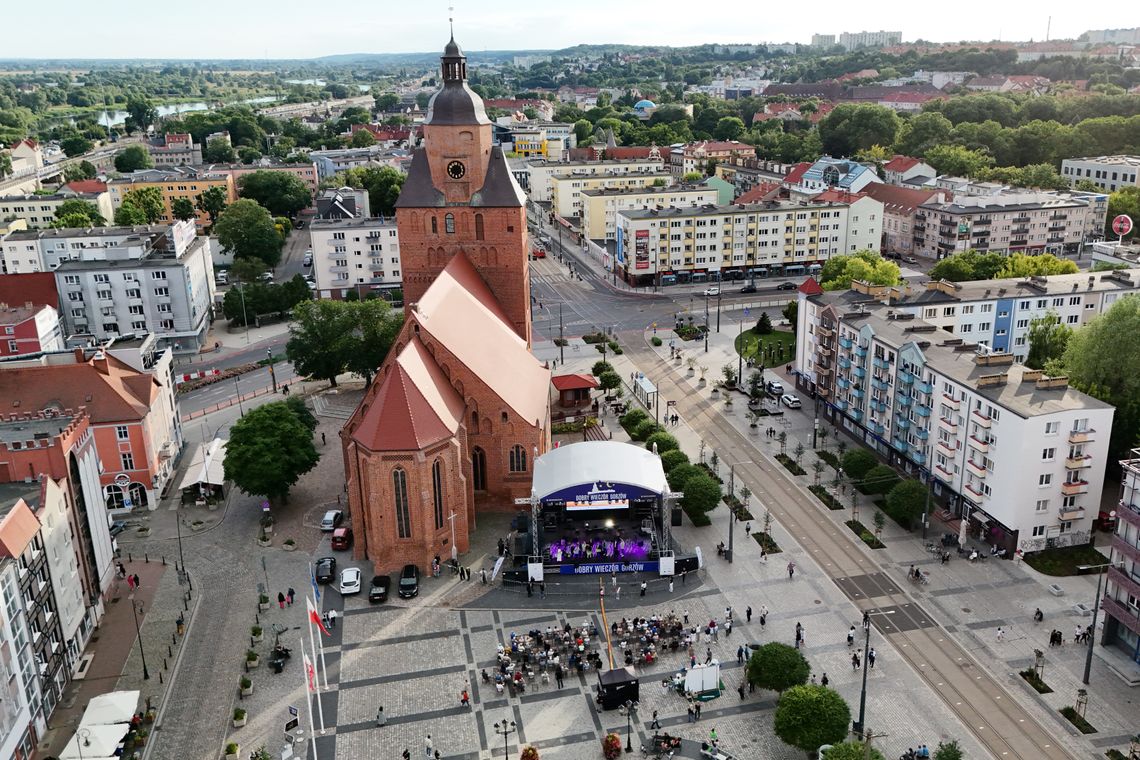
(257, 639)
(212, 506)
(239, 722)
(1056, 590)
(251, 664)
(289, 547)
(1082, 609)
(234, 756)
(266, 542)
(263, 607)
(247, 692)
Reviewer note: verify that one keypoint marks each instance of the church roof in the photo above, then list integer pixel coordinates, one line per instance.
(499, 188)
(419, 191)
(457, 307)
(456, 105)
(414, 406)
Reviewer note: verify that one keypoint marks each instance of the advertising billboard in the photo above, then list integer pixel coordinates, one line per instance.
(598, 495)
(641, 250)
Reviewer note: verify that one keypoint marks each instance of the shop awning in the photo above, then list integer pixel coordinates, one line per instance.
(113, 707)
(94, 742)
(206, 465)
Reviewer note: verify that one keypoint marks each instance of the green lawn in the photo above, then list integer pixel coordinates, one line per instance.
(1065, 560)
(748, 342)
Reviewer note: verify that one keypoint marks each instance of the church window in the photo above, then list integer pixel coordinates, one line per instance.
(449, 224)
(478, 469)
(505, 418)
(437, 492)
(434, 226)
(478, 226)
(400, 496)
(518, 459)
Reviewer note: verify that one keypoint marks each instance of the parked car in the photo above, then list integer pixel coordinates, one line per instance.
(349, 581)
(308, 260)
(409, 582)
(910, 260)
(332, 520)
(790, 401)
(266, 277)
(222, 278)
(748, 289)
(538, 253)
(325, 569)
(378, 589)
(787, 286)
(774, 388)
(713, 291)
(342, 539)
(118, 527)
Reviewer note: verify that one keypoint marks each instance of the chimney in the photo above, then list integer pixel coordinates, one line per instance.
(79, 356)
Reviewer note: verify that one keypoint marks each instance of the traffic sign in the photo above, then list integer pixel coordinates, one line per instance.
(1122, 225)
(293, 711)
(290, 724)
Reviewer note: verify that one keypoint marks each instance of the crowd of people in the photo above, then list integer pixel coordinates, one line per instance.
(605, 545)
(541, 653)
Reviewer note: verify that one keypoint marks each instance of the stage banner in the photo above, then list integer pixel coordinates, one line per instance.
(667, 564)
(534, 569)
(598, 494)
(605, 568)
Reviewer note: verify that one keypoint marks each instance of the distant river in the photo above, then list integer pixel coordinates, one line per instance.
(110, 118)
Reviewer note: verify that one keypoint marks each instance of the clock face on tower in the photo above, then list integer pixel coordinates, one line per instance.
(456, 170)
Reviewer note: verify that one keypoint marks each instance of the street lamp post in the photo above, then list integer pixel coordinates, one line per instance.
(136, 608)
(237, 389)
(719, 291)
(630, 706)
(1096, 609)
(706, 322)
(504, 730)
(272, 374)
(732, 516)
(244, 319)
(858, 727)
(83, 739)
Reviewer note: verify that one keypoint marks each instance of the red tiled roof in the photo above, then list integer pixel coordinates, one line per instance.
(111, 390)
(17, 529)
(839, 196)
(87, 186)
(810, 287)
(796, 173)
(574, 382)
(27, 141)
(901, 163)
(907, 97)
(628, 152)
(37, 287)
(759, 192)
(895, 198)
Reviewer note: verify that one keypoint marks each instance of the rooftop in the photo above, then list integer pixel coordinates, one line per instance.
(592, 162)
(14, 315)
(710, 209)
(52, 197)
(647, 190)
(32, 428)
(978, 204)
(11, 493)
(1109, 160)
(354, 223)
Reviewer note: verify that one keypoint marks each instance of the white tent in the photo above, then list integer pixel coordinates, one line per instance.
(113, 707)
(94, 741)
(206, 465)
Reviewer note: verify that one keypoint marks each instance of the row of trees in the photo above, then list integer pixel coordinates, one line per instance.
(989, 265)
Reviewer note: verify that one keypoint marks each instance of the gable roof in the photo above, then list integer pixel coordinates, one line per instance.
(578, 381)
(36, 287)
(810, 287)
(759, 192)
(898, 199)
(111, 389)
(796, 173)
(500, 189)
(901, 163)
(413, 407)
(419, 191)
(17, 528)
(87, 186)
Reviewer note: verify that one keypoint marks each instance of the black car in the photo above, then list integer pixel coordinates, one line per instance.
(409, 582)
(748, 289)
(787, 286)
(378, 589)
(118, 527)
(326, 569)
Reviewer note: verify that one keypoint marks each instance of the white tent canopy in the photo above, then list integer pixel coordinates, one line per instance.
(113, 707)
(206, 465)
(94, 741)
(588, 461)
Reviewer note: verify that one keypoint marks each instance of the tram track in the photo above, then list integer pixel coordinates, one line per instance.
(976, 696)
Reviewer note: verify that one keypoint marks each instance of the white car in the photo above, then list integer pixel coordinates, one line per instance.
(790, 401)
(713, 291)
(308, 260)
(349, 581)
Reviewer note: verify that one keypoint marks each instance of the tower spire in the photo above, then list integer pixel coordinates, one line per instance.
(451, 21)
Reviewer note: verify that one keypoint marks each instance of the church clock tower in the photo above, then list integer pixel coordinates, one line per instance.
(461, 199)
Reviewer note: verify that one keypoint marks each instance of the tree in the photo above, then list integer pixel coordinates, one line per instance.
(791, 312)
(1047, 340)
(212, 201)
(777, 667)
(764, 324)
(73, 207)
(1125, 201)
(948, 751)
(689, 178)
(144, 203)
(248, 155)
(968, 265)
(609, 380)
(1023, 265)
(729, 128)
(851, 750)
(283, 193)
(857, 462)
(387, 102)
(219, 151)
(809, 716)
(132, 158)
(681, 474)
(183, 209)
(701, 492)
(922, 132)
(879, 479)
(268, 451)
(600, 367)
(1103, 360)
(141, 112)
(320, 338)
(383, 185)
(673, 458)
(247, 229)
(6, 163)
(906, 501)
(75, 145)
(957, 160)
(362, 138)
(664, 442)
(76, 172)
(297, 405)
(867, 266)
(850, 128)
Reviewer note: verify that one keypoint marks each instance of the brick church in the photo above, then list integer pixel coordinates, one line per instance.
(460, 407)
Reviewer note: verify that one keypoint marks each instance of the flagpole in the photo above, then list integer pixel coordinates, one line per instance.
(316, 682)
(317, 607)
(308, 698)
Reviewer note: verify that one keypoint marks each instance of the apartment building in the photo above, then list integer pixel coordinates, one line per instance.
(1121, 601)
(709, 242)
(361, 254)
(823, 41)
(17, 736)
(600, 208)
(174, 182)
(151, 279)
(29, 329)
(39, 210)
(695, 157)
(1016, 455)
(566, 198)
(1109, 173)
(306, 172)
(542, 173)
(174, 149)
(329, 162)
(900, 204)
(1015, 222)
(854, 40)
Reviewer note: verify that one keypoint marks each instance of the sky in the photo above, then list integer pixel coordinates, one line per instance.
(257, 29)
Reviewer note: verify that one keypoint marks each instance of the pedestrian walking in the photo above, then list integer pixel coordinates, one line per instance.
(613, 577)
(670, 585)
(427, 746)
(464, 699)
(728, 613)
(851, 636)
(871, 658)
(323, 440)
(280, 600)
(813, 683)
(289, 596)
(748, 529)
(689, 719)
(740, 655)
(483, 575)
(655, 723)
(727, 628)
(1000, 635)
(558, 675)
(332, 618)
(530, 588)
(684, 576)
(131, 582)
(122, 571)
(697, 710)
(791, 570)
(138, 584)
(763, 555)
(748, 614)
(644, 586)
(542, 590)
(406, 755)
(824, 681)
(685, 617)
(381, 718)
(854, 660)
(713, 738)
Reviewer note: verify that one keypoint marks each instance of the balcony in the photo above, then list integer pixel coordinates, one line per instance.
(843, 382)
(861, 352)
(975, 490)
(1120, 546)
(846, 343)
(981, 233)
(1065, 514)
(1075, 488)
(943, 474)
(859, 372)
(875, 428)
(1081, 436)
(921, 434)
(1021, 219)
(1078, 463)
(922, 411)
(980, 419)
(1129, 617)
(978, 444)
(903, 400)
(878, 406)
(1057, 227)
(825, 332)
(824, 351)
(950, 424)
(857, 414)
(841, 405)
(343, 269)
(858, 393)
(844, 363)
(978, 222)
(880, 363)
(1019, 232)
(951, 402)
(902, 423)
(879, 385)
(899, 442)
(906, 378)
(923, 387)
(976, 468)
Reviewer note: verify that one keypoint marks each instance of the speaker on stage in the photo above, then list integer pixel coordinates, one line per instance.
(676, 517)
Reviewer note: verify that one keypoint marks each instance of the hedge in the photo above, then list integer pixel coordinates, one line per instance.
(672, 458)
(790, 464)
(665, 442)
(826, 497)
(867, 536)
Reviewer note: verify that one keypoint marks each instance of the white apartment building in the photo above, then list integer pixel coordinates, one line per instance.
(853, 40)
(329, 162)
(1121, 603)
(709, 242)
(1018, 456)
(360, 254)
(542, 172)
(39, 210)
(599, 208)
(156, 279)
(566, 199)
(1106, 172)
